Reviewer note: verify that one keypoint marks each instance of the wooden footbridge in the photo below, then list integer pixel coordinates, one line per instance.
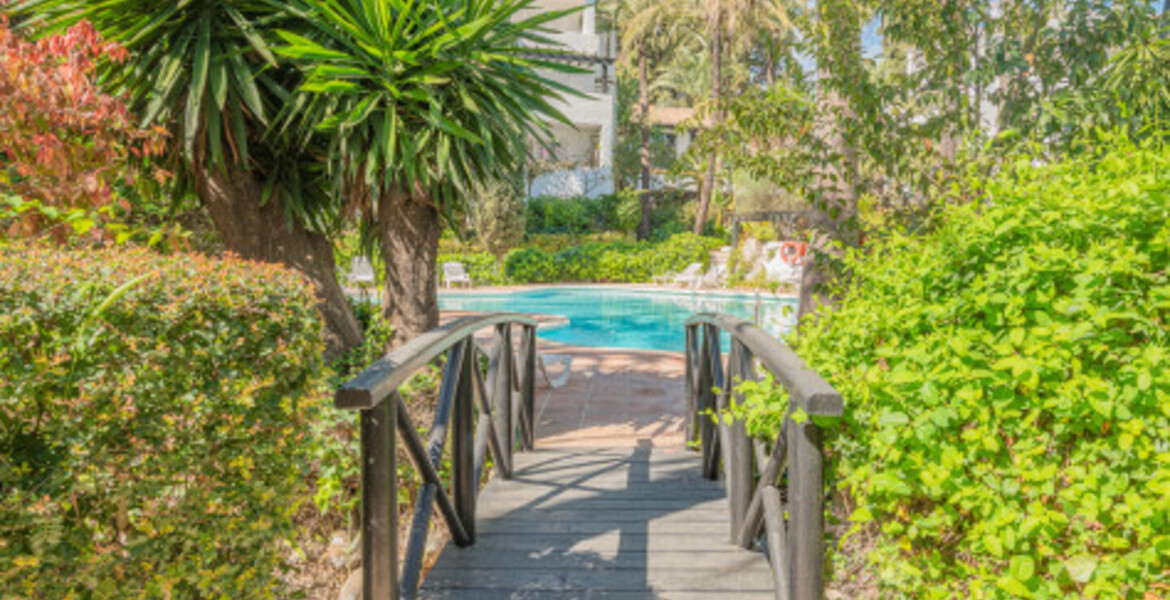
(741, 518)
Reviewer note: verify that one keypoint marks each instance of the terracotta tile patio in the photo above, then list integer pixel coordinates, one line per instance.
(613, 398)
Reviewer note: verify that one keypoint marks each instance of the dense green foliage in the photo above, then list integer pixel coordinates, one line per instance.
(1008, 391)
(616, 262)
(422, 99)
(572, 215)
(498, 213)
(612, 212)
(154, 419)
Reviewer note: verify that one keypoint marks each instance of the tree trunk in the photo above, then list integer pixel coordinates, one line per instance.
(644, 101)
(708, 186)
(261, 231)
(770, 53)
(1004, 80)
(834, 211)
(409, 229)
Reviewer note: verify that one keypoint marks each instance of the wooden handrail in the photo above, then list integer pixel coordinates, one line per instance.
(386, 374)
(504, 426)
(806, 387)
(753, 473)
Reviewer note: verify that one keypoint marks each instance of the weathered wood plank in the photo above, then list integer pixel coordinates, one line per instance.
(663, 557)
(696, 579)
(487, 594)
(608, 525)
(661, 527)
(605, 544)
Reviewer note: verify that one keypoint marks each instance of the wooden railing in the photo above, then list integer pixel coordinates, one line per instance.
(795, 545)
(477, 416)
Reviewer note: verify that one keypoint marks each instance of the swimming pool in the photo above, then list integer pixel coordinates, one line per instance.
(617, 318)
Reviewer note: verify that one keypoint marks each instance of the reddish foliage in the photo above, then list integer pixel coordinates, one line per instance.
(63, 142)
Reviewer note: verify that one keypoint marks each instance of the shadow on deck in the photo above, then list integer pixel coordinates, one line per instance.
(601, 523)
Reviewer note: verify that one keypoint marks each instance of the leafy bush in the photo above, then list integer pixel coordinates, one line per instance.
(580, 215)
(554, 242)
(530, 265)
(617, 261)
(498, 211)
(67, 146)
(156, 413)
(1007, 384)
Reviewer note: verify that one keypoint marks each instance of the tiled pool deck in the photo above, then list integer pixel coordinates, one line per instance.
(613, 398)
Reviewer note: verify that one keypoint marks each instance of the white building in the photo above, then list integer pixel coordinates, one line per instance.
(582, 155)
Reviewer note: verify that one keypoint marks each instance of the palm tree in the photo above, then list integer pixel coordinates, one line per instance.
(716, 20)
(838, 50)
(205, 72)
(650, 27)
(421, 100)
(750, 26)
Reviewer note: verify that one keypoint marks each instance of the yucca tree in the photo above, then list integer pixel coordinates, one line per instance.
(421, 100)
(649, 29)
(204, 71)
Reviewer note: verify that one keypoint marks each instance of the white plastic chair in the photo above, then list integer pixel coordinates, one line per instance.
(689, 275)
(453, 272)
(714, 276)
(564, 360)
(361, 275)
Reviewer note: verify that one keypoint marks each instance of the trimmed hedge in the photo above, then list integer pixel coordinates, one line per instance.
(1007, 385)
(619, 261)
(154, 413)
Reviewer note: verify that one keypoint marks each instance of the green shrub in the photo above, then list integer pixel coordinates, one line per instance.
(1007, 385)
(530, 265)
(155, 413)
(619, 261)
(555, 242)
(563, 215)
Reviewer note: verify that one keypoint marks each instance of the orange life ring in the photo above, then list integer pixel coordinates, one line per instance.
(792, 252)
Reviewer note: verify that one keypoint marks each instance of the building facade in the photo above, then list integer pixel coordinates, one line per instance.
(579, 161)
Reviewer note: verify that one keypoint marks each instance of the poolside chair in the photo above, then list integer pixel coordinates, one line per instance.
(690, 275)
(453, 272)
(564, 360)
(714, 277)
(361, 275)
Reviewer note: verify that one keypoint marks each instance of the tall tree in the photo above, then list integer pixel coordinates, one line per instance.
(421, 100)
(715, 22)
(204, 70)
(648, 26)
(837, 31)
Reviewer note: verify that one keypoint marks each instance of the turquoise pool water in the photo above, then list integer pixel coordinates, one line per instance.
(615, 318)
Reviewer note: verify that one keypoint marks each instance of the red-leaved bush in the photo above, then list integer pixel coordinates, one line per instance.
(64, 143)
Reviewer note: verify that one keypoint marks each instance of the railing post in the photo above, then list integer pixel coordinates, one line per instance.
(710, 371)
(739, 447)
(379, 502)
(806, 512)
(528, 387)
(500, 371)
(463, 477)
(692, 354)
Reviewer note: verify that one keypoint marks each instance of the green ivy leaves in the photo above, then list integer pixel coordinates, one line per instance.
(1008, 388)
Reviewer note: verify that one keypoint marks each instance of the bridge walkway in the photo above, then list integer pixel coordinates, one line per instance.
(601, 523)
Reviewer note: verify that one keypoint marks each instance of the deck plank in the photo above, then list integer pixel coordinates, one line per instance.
(606, 524)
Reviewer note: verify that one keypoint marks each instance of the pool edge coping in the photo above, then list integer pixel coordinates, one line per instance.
(507, 289)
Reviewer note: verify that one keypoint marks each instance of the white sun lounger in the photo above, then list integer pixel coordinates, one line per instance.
(690, 275)
(453, 272)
